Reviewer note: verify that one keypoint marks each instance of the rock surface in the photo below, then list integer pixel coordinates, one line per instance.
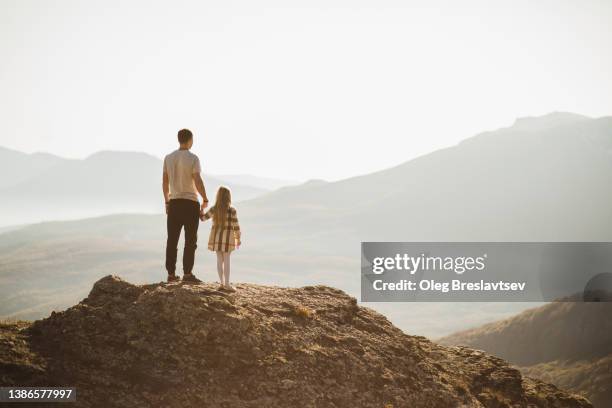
(176, 345)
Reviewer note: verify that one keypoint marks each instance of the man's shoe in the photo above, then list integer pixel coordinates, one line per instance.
(190, 278)
(173, 278)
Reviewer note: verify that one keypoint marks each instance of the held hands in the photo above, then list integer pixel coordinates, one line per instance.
(202, 207)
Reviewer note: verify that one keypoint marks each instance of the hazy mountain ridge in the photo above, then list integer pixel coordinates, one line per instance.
(266, 183)
(28, 165)
(128, 172)
(519, 176)
(566, 343)
(45, 187)
(263, 346)
(548, 121)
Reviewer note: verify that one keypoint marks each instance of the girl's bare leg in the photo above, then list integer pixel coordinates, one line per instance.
(226, 268)
(220, 267)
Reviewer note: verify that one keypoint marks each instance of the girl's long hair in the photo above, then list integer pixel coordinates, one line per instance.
(222, 205)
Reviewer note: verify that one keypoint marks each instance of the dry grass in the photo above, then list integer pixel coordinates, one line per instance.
(11, 321)
(303, 312)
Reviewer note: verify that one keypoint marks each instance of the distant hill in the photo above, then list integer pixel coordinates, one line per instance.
(549, 121)
(175, 345)
(17, 167)
(542, 179)
(566, 343)
(266, 183)
(38, 186)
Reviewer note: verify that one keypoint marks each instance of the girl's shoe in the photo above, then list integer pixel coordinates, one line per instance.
(229, 288)
(221, 287)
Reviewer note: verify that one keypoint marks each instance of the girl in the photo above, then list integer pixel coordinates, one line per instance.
(224, 234)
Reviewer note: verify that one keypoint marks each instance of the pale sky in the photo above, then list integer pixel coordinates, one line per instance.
(293, 89)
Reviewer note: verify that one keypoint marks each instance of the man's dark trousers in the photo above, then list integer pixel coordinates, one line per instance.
(182, 213)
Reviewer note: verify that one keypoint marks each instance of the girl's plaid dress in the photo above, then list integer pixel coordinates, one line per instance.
(223, 238)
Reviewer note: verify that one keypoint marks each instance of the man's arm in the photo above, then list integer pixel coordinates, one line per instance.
(199, 183)
(166, 189)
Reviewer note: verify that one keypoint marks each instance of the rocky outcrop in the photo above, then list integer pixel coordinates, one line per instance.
(567, 343)
(175, 345)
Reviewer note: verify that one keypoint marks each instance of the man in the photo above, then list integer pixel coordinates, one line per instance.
(181, 184)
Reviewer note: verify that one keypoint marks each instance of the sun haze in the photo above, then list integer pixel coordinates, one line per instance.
(318, 89)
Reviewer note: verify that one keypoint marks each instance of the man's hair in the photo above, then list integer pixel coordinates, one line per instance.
(184, 135)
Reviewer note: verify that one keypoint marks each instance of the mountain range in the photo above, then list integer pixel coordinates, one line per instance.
(40, 186)
(544, 178)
